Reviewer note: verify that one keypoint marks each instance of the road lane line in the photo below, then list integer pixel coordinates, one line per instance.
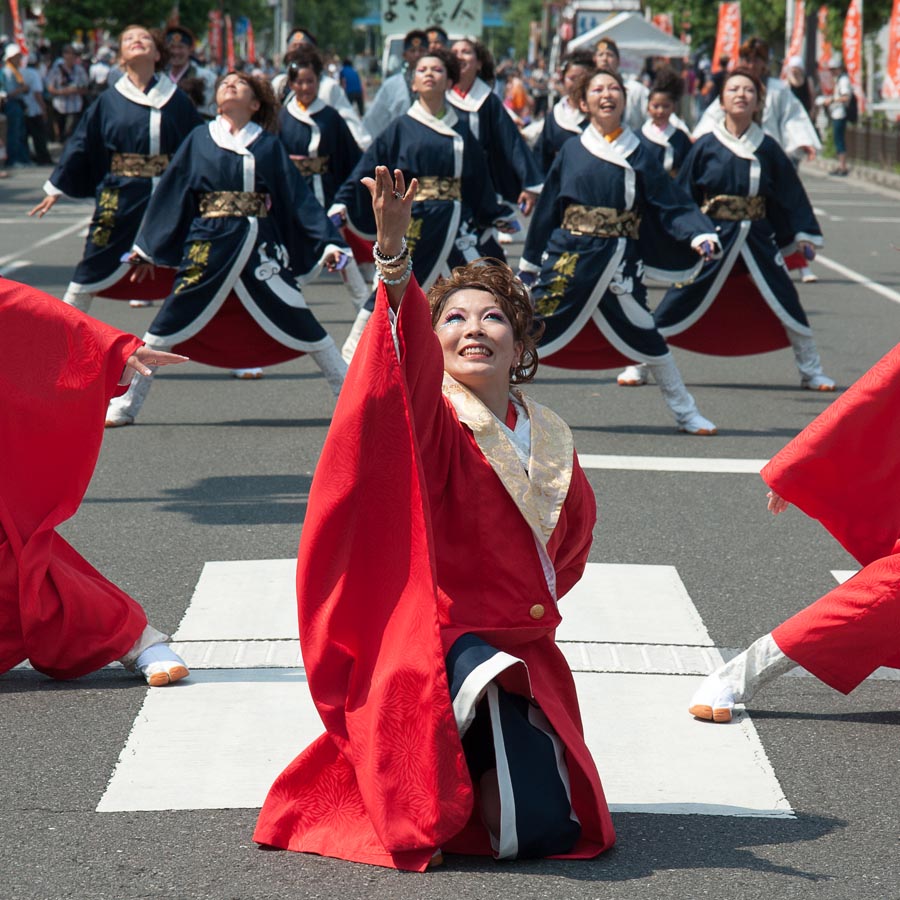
(852, 275)
(673, 464)
(6, 271)
(49, 239)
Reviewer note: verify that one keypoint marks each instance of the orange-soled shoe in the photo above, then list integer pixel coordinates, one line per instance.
(713, 701)
(161, 665)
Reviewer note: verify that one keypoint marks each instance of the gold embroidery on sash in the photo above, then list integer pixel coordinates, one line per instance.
(732, 208)
(437, 187)
(137, 165)
(311, 165)
(233, 204)
(601, 221)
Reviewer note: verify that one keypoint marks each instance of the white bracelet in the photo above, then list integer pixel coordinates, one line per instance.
(387, 260)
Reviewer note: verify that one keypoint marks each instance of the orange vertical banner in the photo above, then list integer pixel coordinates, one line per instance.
(728, 34)
(824, 51)
(229, 43)
(798, 34)
(890, 89)
(251, 43)
(18, 31)
(853, 51)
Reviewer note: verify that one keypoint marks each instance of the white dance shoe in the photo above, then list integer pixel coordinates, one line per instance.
(713, 701)
(161, 665)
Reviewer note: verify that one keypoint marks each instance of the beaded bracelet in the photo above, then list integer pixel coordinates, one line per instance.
(406, 273)
(376, 252)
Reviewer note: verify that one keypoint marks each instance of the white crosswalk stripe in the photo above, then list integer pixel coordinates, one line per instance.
(631, 634)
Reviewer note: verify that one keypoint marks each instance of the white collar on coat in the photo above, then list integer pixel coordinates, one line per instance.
(567, 117)
(236, 143)
(744, 146)
(474, 100)
(156, 98)
(615, 152)
(304, 115)
(441, 126)
(652, 133)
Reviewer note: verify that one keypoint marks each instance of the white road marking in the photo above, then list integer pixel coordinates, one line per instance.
(6, 271)
(232, 730)
(673, 464)
(49, 239)
(858, 278)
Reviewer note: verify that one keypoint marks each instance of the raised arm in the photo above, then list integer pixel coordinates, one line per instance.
(392, 207)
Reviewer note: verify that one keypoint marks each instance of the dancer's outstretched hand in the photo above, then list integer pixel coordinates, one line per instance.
(44, 206)
(776, 504)
(148, 356)
(392, 204)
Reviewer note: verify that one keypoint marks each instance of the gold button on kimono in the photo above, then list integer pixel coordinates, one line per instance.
(537, 611)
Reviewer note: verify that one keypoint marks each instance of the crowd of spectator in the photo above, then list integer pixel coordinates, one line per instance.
(44, 94)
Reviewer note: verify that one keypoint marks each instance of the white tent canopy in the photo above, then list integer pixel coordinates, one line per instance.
(634, 36)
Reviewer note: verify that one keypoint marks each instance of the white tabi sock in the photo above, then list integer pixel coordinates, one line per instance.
(333, 367)
(684, 408)
(78, 299)
(809, 365)
(355, 283)
(356, 333)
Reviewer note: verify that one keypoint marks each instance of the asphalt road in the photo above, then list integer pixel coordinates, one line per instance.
(219, 470)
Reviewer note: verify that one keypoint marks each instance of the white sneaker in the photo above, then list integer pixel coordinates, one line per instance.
(817, 383)
(139, 304)
(697, 424)
(161, 665)
(634, 375)
(807, 276)
(247, 374)
(712, 701)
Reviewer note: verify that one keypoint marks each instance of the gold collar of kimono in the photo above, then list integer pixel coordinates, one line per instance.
(540, 492)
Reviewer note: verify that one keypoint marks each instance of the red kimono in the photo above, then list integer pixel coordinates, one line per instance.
(58, 370)
(412, 539)
(844, 470)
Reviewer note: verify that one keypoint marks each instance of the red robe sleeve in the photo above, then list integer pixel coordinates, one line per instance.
(58, 370)
(844, 467)
(366, 592)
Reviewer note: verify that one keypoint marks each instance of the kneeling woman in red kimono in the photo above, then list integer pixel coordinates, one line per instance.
(56, 610)
(843, 470)
(447, 518)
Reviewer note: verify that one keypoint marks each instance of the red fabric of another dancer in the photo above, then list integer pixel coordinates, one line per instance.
(843, 469)
(58, 370)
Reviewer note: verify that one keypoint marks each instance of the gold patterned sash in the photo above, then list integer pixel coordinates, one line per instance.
(311, 165)
(601, 221)
(437, 187)
(137, 165)
(732, 208)
(233, 204)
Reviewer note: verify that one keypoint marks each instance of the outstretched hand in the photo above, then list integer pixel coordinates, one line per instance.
(44, 206)
(776, 504)
(392, 205)
(148, 356)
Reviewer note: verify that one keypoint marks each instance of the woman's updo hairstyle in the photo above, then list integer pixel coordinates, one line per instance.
(668, 82)
(450, 62)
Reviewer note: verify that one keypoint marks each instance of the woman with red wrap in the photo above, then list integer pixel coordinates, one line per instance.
(447, 518)
(56, 610)
(843, 470)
